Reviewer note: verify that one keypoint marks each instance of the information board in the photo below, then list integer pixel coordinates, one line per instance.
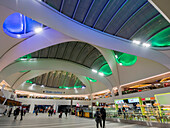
(119, 101)
(133, 100)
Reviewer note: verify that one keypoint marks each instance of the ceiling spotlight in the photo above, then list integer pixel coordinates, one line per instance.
(120, 63)
(42, 86)
(116, 56)
(23, 59)
(83, 87)
(18, 35)
(136, 42)
(93, 70)
(33, 59)
(66, 88)
(101, 74)
(146, 45)
(38, 30)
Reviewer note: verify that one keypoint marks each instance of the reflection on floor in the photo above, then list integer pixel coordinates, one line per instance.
(43, 121)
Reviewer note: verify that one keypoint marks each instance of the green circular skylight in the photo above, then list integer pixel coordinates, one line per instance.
(162, 39)
(105, 69)
(125, 59)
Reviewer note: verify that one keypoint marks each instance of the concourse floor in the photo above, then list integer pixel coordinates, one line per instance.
(43, 121)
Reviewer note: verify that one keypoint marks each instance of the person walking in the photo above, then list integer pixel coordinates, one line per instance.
(98, 118)
(103, 112)
(5, 112)
(16, 113)
(25, 111)
(9, 113)
(22, 113)
(66, 111)
(60, 116)
(36, 111)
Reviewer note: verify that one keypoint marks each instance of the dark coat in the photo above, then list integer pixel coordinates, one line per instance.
(103, 112)
(16, 112)
(98, 116)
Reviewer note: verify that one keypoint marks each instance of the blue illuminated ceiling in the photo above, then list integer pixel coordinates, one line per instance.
(17, 25)
(129, 19)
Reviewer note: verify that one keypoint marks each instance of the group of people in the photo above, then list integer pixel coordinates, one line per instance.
(66, 112)
(51, 111)
(100, 116)
(16, 112)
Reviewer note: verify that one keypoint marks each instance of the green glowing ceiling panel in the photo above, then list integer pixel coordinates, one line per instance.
(162, 39)
(91, 80)
(65, 87)
(105, 69)
(125, 59)
(24, 71)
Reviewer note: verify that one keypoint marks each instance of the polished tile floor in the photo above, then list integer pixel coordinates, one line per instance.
(43, 121)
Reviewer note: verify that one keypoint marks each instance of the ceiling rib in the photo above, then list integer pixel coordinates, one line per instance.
(101, 13)
(131, 17)
(62, 4)
(75, 9)
(158, 32)
(114, 15)
(144, 25)
(88, 11)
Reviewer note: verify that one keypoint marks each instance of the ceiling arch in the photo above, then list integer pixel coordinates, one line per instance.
(58, 79)
(75, 51)
(53, 64)
(34, 73)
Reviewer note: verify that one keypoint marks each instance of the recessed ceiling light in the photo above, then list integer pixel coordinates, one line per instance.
(18, 35)
(101, 74)
(93, 70)
(136, 42)
(23, 59)
(38, 30)
(120, 63)
(116, 56)
(146, 45)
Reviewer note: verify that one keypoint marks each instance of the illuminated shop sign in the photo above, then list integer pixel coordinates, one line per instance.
(119, 101)
(147, 98)
(54, 92)
(133, 100)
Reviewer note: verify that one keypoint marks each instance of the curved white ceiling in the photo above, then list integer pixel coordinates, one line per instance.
(61, 23)
(17, 82)
(53, 64)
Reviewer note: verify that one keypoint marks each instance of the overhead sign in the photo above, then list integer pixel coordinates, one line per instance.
(147, 98)
(54, 92)
(97, 103)
(119, 101)
(133, 100)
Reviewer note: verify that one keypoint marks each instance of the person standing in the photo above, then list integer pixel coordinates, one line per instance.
(16, 113)
(103, 112)
(98, 118)
(123, 109)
